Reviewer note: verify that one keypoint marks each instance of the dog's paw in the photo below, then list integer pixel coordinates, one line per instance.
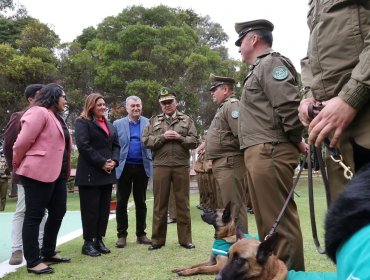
(176, 270)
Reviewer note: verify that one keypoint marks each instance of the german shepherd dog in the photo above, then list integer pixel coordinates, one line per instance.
(225, 231)
(250, 259)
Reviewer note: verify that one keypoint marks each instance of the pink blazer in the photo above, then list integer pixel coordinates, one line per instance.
(38, 151)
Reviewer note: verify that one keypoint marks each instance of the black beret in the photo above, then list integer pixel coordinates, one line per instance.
(242, 28)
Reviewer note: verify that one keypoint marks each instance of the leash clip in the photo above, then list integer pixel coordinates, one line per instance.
(348, 174)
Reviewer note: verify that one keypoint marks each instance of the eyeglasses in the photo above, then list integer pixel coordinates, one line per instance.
(167, 102)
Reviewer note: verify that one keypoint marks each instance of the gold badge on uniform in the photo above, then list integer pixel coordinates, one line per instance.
(280, 73)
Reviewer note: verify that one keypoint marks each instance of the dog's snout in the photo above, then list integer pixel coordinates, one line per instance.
(209, 217)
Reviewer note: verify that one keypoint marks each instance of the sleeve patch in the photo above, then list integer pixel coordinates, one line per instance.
(235, 114)
(280, 73)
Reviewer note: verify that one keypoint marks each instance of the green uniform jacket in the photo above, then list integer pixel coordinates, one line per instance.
(339, 50)
(269, 102)
(170, 152)
(222, 136)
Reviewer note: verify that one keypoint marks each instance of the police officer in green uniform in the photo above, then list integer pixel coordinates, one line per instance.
(270, 135)
(222, 147)
(170, 135)
(338, 74)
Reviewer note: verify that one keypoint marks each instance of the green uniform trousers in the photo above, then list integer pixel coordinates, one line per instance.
(229, 173)
(163, 176)
(215, 201)
(172, 205)
(270, 170)
(203, 191)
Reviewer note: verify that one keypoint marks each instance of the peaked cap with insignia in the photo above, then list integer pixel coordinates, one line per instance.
(218, 81)
(166, 94)
(242, 28)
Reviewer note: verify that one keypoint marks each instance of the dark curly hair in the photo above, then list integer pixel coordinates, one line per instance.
(48, 96)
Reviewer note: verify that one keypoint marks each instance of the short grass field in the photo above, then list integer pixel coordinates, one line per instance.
(136, 262)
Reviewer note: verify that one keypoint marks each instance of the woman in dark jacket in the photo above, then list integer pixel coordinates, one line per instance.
(98, 147)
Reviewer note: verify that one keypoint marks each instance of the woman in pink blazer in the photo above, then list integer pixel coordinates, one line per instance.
(41, 156)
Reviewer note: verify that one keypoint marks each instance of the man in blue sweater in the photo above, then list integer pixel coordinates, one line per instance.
(133, 172)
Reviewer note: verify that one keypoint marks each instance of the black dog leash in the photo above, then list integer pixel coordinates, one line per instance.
(317, 154)
(313, 110)
(335, 155)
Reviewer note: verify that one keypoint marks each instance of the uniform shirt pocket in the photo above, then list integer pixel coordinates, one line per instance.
(157, 130)
(183, 129)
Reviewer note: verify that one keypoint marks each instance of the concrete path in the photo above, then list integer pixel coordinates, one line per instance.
(70, 229)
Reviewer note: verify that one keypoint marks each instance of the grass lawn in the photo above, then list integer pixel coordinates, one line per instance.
(136, 262)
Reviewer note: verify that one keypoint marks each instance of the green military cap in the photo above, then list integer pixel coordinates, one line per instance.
(242, 28)
(218, 81)
(166, 94)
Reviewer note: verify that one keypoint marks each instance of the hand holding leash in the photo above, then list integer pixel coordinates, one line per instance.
(334, 117)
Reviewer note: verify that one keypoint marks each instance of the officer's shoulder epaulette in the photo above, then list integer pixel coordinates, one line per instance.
(181, 115)
(234, 99)
(159, 117)
(289, 64)
(276, 54)
(184, 117)
(283, 58)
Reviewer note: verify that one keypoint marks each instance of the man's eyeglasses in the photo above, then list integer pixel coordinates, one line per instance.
(167, 102)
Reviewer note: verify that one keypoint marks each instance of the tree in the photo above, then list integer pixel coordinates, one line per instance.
(13, 18)
(37, 34)
(14, 10)
(26, 60)
(142, 49)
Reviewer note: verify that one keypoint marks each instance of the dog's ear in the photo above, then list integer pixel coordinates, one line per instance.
(266, 248)
(226, 215)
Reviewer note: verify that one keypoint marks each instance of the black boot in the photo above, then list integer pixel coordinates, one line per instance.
(89, 249)
(100, 246)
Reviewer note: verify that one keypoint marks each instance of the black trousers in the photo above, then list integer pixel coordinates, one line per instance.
(38, 197)
(94, 206)
(132, 178)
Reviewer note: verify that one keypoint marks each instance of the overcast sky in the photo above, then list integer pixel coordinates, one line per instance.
(69, 17)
